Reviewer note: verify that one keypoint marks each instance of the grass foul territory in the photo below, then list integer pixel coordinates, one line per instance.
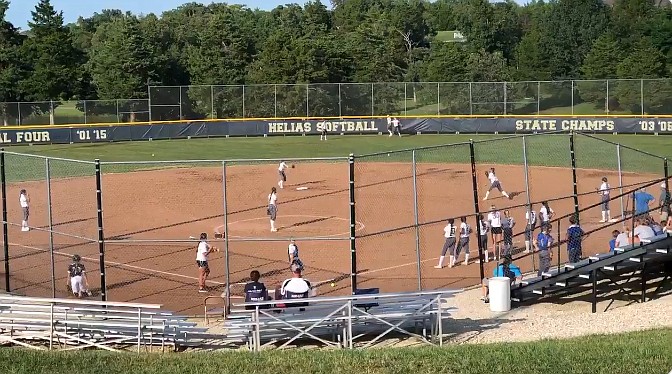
(634, 353)
(306, 146)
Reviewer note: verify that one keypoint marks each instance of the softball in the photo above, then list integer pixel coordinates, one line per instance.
(333, 284)
(152, 154)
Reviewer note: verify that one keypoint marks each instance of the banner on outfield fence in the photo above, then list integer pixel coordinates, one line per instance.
(129, 132)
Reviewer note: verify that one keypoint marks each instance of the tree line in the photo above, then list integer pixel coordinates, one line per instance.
(115, 54)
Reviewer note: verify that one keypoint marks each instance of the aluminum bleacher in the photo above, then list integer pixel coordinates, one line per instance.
(340, 322)
(69, 324)
(644, 261)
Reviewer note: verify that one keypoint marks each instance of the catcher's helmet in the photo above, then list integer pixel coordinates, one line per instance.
(204, 236)
(76, 258)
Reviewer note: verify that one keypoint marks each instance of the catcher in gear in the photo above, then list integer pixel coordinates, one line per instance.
(77, 281)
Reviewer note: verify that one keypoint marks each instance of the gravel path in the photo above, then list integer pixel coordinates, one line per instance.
(475, 323)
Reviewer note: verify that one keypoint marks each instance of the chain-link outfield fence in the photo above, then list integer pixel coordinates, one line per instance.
(369, 221)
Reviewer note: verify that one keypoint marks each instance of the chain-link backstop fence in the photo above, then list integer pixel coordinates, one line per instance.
(371, 221)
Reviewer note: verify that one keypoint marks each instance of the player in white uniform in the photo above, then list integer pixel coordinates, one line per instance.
(449, 245)
(293, 255)
(281, 174)
(272, 210)
(494, 183)
(203, 251)
(495, 222)
(605, 191)
(389, 125)
(531, 218)
(24, 201)
(546, 214)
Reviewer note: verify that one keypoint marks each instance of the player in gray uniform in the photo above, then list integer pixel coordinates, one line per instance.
(293, 255)
(507, 226)
(449, 245)
(465, 233)
(483, 238)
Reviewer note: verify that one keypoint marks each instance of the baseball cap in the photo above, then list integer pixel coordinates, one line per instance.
(295, 268)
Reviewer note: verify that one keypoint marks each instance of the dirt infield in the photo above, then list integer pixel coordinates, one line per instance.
(180, 202)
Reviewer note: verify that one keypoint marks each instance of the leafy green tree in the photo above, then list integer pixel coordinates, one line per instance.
(657, 94)
(600, 65)
(50, 53)
(569, 29)
(120, 61)
(11, 68)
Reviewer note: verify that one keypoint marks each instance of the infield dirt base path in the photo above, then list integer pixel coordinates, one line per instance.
(176, 203)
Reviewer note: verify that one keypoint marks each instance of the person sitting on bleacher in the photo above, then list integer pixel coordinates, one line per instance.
(295, 287)
(623, 238)
(642, 231)
(505, 269)
(255, 291)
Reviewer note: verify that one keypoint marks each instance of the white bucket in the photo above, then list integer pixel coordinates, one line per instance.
(500, 294)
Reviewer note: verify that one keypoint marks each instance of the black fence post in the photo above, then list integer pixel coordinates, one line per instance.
(353, 225)
(574, 178)
(101, 237)
(477, 210)
(668, 199)
(5, 233)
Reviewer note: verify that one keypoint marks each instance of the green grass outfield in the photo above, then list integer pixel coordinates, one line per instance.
(542, 150)
(634, 353)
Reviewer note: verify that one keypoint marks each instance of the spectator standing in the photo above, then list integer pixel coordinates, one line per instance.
(642, 201)
(543, 244)
(574, 238)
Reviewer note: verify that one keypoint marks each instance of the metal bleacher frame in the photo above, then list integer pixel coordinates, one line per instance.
(640, 261)
(73, 324)
(338, 322)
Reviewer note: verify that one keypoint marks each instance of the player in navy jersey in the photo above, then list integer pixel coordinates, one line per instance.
(574, 238)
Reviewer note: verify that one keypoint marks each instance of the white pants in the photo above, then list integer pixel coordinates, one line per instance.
(77, 284)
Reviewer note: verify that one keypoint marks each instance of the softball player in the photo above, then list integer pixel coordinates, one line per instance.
(494, 183)
(546, 214)
(396, 126)
(531, 218)
(495, 222)
(281, 174)
(449, 245)
(465, 233)
(203, 251)
(483, 236)
(24, 201)
(272, 209)
(293, 255)
(77, 276)
(605, 192)
(507, 226)
(323, 134)
(389, 125)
